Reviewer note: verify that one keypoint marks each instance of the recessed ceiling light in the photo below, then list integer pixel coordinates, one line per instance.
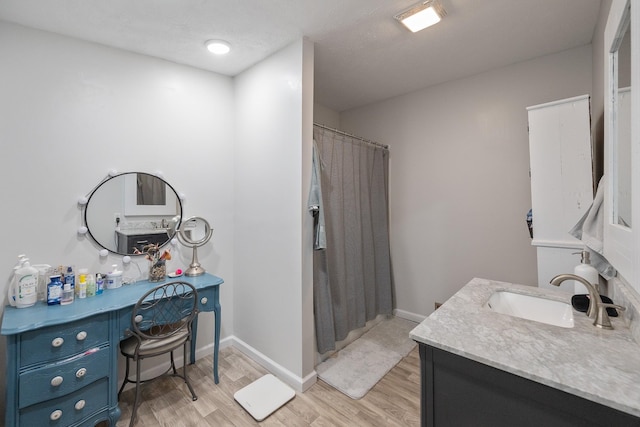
(424, 15)
(218, 47)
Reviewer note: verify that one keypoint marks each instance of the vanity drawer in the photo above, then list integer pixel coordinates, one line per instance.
(64, 377)
(56, 342)
(70, 409)
(206, 298)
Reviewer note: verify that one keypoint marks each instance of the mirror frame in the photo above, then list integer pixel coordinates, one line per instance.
(195, 268)
(620, 243)
(123, 175)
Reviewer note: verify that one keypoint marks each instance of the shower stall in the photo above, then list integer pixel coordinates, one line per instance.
(351, 266)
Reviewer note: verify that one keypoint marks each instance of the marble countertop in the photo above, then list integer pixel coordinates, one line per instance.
(599, 365)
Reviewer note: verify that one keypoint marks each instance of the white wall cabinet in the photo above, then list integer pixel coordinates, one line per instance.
(561, 182)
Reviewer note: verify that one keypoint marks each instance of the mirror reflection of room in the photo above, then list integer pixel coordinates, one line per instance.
(622, 145)
(131, 210)
(150, 190)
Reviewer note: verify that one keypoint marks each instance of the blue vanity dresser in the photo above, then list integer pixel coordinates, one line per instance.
(62, 361)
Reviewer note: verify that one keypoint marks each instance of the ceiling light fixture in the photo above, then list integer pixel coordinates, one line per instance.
(424, 15)
(218, 47)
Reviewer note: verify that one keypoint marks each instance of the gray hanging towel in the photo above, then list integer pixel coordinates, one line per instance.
(590, 229)
(315, 203)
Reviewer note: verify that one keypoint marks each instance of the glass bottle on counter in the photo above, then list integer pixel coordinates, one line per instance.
(67, 294)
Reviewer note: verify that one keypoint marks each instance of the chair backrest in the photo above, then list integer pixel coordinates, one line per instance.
(165, 310)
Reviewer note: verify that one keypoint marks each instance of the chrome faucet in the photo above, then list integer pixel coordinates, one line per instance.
(597, 309)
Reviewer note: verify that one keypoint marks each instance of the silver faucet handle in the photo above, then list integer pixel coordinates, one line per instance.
(602, 318)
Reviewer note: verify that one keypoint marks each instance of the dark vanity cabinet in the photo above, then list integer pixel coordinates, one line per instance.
(127, 241)
(457, 391)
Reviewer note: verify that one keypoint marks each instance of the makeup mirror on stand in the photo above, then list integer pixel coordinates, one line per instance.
(194, 232)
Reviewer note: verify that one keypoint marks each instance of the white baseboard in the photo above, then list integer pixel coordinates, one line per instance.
(409, 316)
(298, 383)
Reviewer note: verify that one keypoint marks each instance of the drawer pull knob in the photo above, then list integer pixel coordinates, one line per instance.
(55, 415)
(81, 372)
(57, 342)
(204, 300)
(56, 381)
(81, 335)
(138, 318)
(79, 404)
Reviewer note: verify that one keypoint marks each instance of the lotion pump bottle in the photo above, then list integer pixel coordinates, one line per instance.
(23, 290)
(586, 271)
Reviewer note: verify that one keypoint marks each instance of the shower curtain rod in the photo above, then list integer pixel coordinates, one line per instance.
(367, 141)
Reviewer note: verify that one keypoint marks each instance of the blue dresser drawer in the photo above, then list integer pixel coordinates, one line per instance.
(68, 410)
(206, 298)
(206, 301)
(64, 377)
(56, 342)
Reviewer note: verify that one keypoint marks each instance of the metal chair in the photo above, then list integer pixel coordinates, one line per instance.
(160, 323)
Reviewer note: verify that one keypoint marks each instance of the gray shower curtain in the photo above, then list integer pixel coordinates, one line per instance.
(352, 276)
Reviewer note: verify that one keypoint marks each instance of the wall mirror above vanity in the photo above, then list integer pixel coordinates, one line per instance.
(621, 246)
(130, 210)
(621, 139)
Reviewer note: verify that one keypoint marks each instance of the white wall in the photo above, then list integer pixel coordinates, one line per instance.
(70, 111)
(272, 298)
(459, 174)
(326, 116)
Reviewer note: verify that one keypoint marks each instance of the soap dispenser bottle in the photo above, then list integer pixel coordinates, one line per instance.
(23, 290)
(586, 271)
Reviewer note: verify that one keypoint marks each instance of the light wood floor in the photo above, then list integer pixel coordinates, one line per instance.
(394, 401)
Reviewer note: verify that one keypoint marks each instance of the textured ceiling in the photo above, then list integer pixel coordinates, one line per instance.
(362, 55)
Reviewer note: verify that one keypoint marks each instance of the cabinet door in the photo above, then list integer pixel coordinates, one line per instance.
(561, 169)
(457, 391)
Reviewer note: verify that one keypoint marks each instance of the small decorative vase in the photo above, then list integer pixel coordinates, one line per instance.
(157, 271)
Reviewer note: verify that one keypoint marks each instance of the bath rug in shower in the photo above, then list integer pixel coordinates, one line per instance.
(355, 369)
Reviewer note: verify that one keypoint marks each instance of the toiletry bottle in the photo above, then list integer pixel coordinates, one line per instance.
(99, 284)
(10, 297)
(91, 285)
(44, 271)
(82, 283)
(114, 277)
(67, 294)
(54, 290)
(21, 259)
(23, 290)
(586, 271)
(69, 277)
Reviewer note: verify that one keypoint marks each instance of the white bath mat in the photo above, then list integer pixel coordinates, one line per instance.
(360, 365)
(264, 396)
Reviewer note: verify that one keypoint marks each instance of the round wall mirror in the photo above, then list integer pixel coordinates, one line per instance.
(131, 210)
(194, 232)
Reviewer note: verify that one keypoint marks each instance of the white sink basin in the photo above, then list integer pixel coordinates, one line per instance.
(532, 307)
